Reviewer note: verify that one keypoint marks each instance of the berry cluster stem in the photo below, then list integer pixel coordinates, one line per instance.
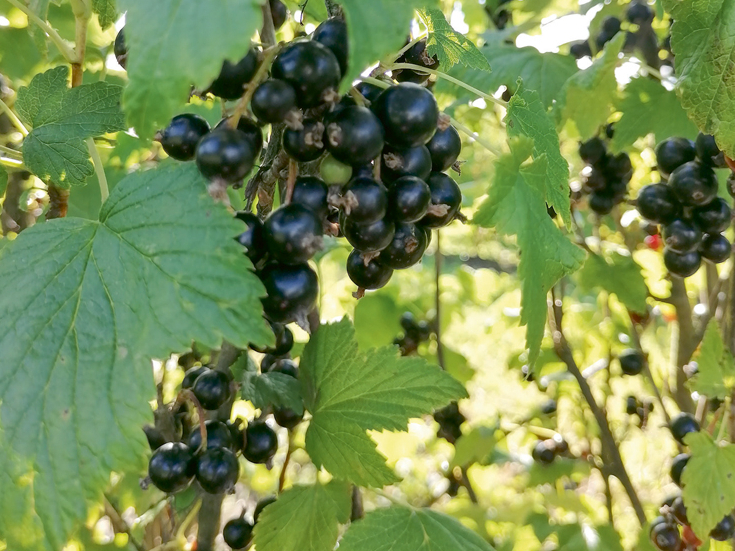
(13, 118)
(685, 344)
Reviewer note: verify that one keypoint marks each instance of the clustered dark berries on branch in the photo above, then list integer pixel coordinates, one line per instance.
(607, 176)
(687, 206)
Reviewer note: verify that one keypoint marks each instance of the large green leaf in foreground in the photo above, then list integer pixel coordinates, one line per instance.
(86, 305)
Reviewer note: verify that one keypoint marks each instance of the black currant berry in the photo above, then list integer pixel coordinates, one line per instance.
(665, 536)
(311, 192)
(180, 138)
(332, 33)
(284, 341)
(601, 203)
(235, 434)
(610, 27)
(217, 470)
(409, 114)
(707, 151)
(230, 84)
(632, 361)
(578, 50)
(154, 436)
(292, 291)
(592, 151)
(725, 529)
(543, 452)
(262, 504)
(595, 181)
(408, 199)
(715, 247)
(369, 91)
(212, 389)
(548, 407)
(293, 233)
(192, 375)
(285, 366)
(226, 154)
(682, 424)
(618, 167)
(444, 147)
(678, 465)
(354, 136)
(250, 129)
(679, 510)
(311, 68)
(286, 417)
(120, 49)
(694, 184)
(261, 443)
(406, 248)
(306, 144)
(253, 238)
(397, 162)
(672, 153)
(237, 533)
(682, 265)
(714, 217)
(446, 198)
(218, 436)
(172, 467)
(658, 203)
(365, 200)
(279, 13)
(682, 236)
(273, 100)
(368, 238)
(631, 405)
(639, 13)
(416, 55)
(371, 275)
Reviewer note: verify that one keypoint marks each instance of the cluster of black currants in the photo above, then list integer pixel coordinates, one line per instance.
(641, 409)
(450, 421)
(238, 532)
(607, 179)
(414, 333)
(692, 215)
(546, 451)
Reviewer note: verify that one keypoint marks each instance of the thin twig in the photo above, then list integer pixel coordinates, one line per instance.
(437, 301)
(98, 169)
(262, 72)
(685, 345)
(63, 46)
(82, 13)
(293, 172)
(12, 152)
(13, 118)
(475, 136)
(119, 524)
(647, 371)
(282, 476)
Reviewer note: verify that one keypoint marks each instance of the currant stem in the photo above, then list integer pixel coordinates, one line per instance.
(13, 118)
(98, 169)
(286, 461)
(293, 171)
(61, 44)
(260, 75)
(475, 136)
(407, 47)
(11, 152)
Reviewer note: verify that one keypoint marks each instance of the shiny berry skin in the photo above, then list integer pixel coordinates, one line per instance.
(230, 84)
(408, 199)
(682, 236)
(724, 530)
(682, 265)
(369, 91)
(444, 147)
(225, 154)
(372, 276)
(715, 247)
(354, 136)
(180, 138)
(120, 49)
(398, 162)
(333, 172)
(286, 417)
(601, 203)
(253, 238)
(250, 129)
(262, 504)
(237, 533)
(192, 375)
(639, 13)
(658, 203)
(284, 341)
(409, 114)
(543, 452)
(332, 33)
(677, 467)
(682, 424)
(713, 218)
(665, 537)
(368, 238)
(171, 467)
(694, 184)
(293, 233)
(217, 470)
(631, 361)
(285, 366)
(261, 443)
(212, 389)
(444, 192)
(306, 144)
(406, 248)
(592, 151)
(273, 100)
(311, 68)
(366, 200)
(672, 153)
(311, 192)
(416, 55)
(218, 436)
(679, 511)
(707, 151)
(154, 437)
(292, 291)
(279, 13)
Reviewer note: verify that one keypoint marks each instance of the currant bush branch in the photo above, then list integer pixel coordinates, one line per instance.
(685, 344)
(66, 50)
(13, 118)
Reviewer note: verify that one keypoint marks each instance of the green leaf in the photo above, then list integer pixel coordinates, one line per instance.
(377, 306)
(3, 180)
(709, 482)
(158, 270)
(272, 389)
(649, 108)
(62, 119)
(449, 46)
(515, 206)
(19, 54)
(617, 274)
(174, 44)
(588, 96)
(703, 41)
(403, 529)
(375, 29)
(544, 72)
(715, 376)
(527, 117)
(304, 518)
(349, 391)
(106, 11)
(474, 447)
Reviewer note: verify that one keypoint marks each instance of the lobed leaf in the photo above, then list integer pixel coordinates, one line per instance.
(449, 46)
(715, 376)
